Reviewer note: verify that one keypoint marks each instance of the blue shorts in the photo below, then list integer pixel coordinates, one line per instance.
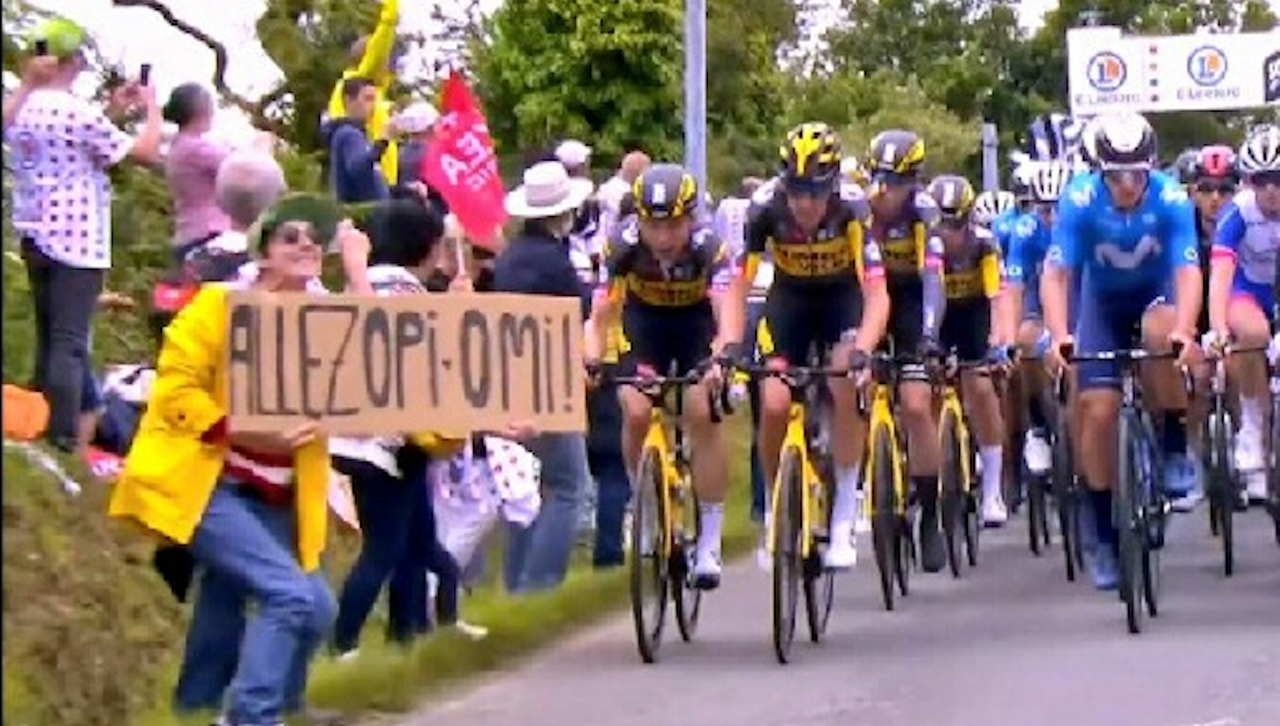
(1109, 321)
(1033, 310)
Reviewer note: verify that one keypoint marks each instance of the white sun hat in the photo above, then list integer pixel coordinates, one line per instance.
(547, 191)
(417, 117)
(573, 153)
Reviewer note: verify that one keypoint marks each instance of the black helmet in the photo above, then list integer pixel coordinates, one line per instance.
(665, 191)
(1124, 141)
(895, 152)
(811, 153)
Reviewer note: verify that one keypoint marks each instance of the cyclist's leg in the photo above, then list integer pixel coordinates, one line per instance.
(848, 430)
(1251, 329)
(1032, 343)
(1104, 325)
(967, 328)
(636, 407)
(710, 460)
(915, 399)
(1164, 395)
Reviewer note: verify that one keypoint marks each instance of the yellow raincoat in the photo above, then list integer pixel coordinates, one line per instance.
(170, 474)
(375, 65)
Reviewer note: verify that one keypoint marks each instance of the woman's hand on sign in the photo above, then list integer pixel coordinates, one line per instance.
(462, 283)
(277, 442)
(521, 430)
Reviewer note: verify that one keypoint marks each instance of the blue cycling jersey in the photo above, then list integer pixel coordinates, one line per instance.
(1120, 251)
(1029, 239)
(1002, 228)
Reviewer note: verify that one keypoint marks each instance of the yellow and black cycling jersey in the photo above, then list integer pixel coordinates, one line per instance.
(840, 250)
(972, 268)
(905, 238)
(632, 274)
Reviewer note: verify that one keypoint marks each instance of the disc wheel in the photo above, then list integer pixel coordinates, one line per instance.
(648, 562)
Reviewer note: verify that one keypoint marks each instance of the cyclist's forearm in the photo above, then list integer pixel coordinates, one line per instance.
(1221, 273)
(1053, 298)
(1188, 286)
(935, 303)
(731, 312)
(1013, 301)
(875, 316)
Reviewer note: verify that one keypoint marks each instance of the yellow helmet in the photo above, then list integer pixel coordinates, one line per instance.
(954, 195)
(811, 153)
(896, 151)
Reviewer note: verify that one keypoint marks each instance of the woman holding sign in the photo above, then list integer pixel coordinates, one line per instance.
(251, 507)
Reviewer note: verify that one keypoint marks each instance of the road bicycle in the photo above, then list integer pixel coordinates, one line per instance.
(1067, 492)
(664, 517)
(959, 501)
(1139, 507)
(801, 505)
(1222, 483)
(886, 470)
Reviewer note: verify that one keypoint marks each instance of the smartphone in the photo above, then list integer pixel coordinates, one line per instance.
(42, 47)
(144, 75)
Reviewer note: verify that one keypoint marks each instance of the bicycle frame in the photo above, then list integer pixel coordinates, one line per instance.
(880, 415)
(798, 380)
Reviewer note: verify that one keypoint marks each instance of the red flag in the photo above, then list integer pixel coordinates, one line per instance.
(461, 164)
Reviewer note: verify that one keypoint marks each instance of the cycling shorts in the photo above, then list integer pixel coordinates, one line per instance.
(657, 337)
(1259, 294)
(906, 315)
(1110, 321)
(1033, 310)
(966, 328)
(796, 320)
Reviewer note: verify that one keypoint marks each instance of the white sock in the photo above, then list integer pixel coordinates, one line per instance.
(710, 524)
(1251, 413)
(845, 508)
(992, 470)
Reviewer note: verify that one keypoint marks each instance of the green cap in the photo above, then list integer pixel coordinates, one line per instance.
(63, 37)
(321, 212)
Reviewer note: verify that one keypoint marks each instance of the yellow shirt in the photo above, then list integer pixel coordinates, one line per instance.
(170, 473)
(374, 65)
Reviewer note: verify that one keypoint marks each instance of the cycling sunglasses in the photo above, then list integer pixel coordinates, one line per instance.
(811, 188)
(1224, 188)
(1265, 179)
(1126, 177)
(954, 222)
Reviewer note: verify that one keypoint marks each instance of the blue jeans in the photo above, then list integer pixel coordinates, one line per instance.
(614, 491)
(755, 310)
(537, 557)
(247, 549)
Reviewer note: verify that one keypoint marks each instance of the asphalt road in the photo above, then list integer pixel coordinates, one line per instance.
(1013, 643)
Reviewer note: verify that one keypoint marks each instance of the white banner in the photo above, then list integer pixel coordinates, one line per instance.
(1110, 73)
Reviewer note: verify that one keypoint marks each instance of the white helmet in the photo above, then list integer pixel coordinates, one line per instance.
(1261, 151)
(990, 205)
(1047, 179)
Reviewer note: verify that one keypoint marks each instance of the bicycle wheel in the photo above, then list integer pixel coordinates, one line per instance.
(1221, 493)
(1064, 489)
(885, 527)
(1151, 514)
(787, 565)
(1126, 523)
(648, 562)
(906, 556)
(1037, 514)
(1273, 464)
(688, 599)
(819, 582)
(972, 520)
(952, 503)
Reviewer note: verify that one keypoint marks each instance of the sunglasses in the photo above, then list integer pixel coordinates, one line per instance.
(1221, 188)
(1045, 209)
(954, 222)
(293, 233)
(1265, 179)
(809, 188)
(1126, 177)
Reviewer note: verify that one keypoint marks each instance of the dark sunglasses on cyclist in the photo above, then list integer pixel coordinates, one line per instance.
(1126, 177)
(1223, 188)
(1044, 209)
(892, 179)
(811, 188)
(1265, 179)
(954, 222)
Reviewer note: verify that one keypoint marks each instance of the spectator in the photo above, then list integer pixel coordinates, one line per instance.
(388, 474)
(192, 168)
(61, 150)
(585, 235)
(251, 507)
(417, 122)
(613, 191)
(537, 262)
(730, 225)
(354, 174)
(373, 57)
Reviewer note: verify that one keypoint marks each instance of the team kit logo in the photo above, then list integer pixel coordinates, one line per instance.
(1107, 72)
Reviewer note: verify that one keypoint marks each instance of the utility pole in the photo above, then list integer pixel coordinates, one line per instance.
(695, 90)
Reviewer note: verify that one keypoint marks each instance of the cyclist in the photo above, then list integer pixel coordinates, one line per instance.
(828, 290)
(903, 214)
(972, 325)
(667, 278)
(1241, 294)
(992, 206)
(1028, 243)
(851, 168)
(1130, 231)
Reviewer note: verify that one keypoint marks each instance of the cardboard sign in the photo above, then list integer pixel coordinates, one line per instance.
(366, 365)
